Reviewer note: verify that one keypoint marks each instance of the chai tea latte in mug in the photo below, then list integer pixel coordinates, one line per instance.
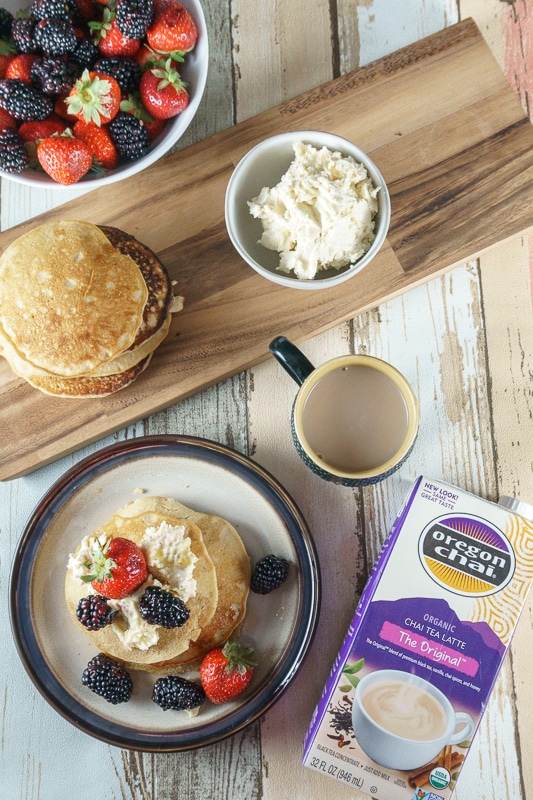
(355, 418)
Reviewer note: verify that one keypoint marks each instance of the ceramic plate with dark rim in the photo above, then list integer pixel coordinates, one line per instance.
(205, 476)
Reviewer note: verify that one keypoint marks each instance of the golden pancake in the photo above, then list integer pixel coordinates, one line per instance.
(201, 605)
(232, 566)
(87, 385)
(159, 300)
(122, 362)
(69, 300)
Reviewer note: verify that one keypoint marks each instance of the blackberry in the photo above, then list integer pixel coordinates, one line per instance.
(85, 53)
(6, 21)
(129, 135)
(159, 607)
(54, 75)
(134, 17)
(51, 9)
(178, 694)
(55, 37)
(22, 32)
(108, 678)
(269, 573)
(24, 101)
(126, 71)
(13, 156)
(94, 612)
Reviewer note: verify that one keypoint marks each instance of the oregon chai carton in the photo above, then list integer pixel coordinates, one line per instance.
(436, 617)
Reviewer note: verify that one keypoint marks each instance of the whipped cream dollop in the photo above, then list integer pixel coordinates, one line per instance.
(321, 215)
(167, 548)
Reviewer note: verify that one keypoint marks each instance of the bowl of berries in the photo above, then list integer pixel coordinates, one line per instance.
(94, 91)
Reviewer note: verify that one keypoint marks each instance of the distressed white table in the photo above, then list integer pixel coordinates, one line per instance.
(464, 341)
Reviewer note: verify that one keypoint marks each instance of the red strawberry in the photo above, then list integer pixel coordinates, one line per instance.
(6, 120)
(146, 57)
(61, 109)
(118, 569)
(95, 96)
(225, 672)
(162, 90)
(99, 141)
(7, 51)
(108, 38)
(85, 10)
(132, 104)
(64, 158)
(41, 129)
(172, 28)
(20, 67)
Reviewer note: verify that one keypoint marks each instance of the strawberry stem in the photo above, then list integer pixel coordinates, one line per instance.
(101, 565)
(240, 658)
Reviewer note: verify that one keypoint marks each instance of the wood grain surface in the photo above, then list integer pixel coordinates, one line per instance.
(457, 155)
(464, 339)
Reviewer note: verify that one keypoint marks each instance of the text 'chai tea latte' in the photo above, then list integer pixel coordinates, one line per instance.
(415, 671)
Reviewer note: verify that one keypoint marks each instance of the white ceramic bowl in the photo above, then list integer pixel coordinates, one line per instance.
(194, 73)
(263, 166)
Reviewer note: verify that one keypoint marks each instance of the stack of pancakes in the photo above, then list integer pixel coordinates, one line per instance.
(222, 574)
(82, 308)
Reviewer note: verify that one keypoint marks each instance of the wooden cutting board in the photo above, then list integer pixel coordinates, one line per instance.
(456, 149)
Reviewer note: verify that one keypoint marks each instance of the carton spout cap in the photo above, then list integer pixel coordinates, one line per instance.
(517, 506)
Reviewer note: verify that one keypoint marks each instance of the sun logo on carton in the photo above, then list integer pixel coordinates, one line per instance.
(466, 555)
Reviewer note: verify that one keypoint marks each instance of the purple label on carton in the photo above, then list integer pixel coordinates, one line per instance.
(436, 617)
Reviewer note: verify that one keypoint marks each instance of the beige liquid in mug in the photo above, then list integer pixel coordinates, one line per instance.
(355, 418)
(405, 710)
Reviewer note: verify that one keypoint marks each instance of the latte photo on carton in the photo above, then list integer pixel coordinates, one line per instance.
(435, 620)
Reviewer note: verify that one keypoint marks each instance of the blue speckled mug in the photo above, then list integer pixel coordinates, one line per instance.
(354, 419)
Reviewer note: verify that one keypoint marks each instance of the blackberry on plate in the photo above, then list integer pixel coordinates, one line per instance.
(94, 612)
(54, 75)
(176, 693)
(126, 71)
(55, 37)
(159, 607)
(269, 573)
(134, 17)
(129, 135)
(22, 32)
(6, 21)
(13, 156)
(107, 678)
(23, 100)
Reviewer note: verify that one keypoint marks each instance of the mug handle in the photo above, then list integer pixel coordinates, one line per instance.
(461, 718)
(291, 359)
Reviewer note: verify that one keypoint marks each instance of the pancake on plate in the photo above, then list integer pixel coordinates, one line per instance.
(222, 574)
(82, 307)
(128, 638)
(233, 571)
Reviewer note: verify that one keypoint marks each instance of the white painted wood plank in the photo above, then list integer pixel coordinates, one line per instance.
(506, 280)
(281, 49)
